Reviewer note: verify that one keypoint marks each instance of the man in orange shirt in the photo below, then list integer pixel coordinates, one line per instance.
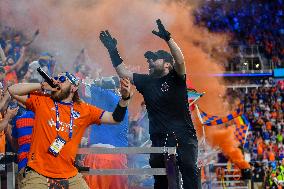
(60, 122)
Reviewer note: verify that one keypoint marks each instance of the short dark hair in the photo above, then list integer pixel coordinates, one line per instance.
(17, 34)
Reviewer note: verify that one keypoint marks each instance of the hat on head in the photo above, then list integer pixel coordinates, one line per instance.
(44, 59)
(160, 54)
(74, 80)
(44, 56)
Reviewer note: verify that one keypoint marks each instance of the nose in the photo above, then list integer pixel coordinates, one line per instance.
(56, 82)
(151, 62)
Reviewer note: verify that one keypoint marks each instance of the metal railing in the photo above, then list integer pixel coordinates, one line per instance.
(170, 170)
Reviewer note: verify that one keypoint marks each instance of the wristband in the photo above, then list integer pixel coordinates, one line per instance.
(119, 113)
(116, 60)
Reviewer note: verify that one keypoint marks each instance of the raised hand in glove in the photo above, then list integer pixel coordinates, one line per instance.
(162, 33)
(108, 41)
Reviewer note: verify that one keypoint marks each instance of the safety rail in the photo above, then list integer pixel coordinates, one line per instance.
(218, 175)
(170, 170)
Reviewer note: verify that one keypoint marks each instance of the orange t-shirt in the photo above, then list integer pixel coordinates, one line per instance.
(44, 134)
(271, 156)
(12, 76)
(259, 149)
(268, 126)
(2, 142)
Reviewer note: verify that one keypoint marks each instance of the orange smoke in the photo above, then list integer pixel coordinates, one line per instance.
(223, 138)
(228, 144)
(68, 26)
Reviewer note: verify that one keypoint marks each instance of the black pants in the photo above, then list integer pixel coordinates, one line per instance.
(187, 150)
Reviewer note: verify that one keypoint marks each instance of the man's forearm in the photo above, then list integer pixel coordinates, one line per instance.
(20, 62)
(4, 123)
(122, 71)
(12, 141)
(2, 55)
(24, 88)
(176, 52)
(4, 103)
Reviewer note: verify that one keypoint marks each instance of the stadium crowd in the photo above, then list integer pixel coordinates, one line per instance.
(253, 22)
(264, 105)
(264, 108)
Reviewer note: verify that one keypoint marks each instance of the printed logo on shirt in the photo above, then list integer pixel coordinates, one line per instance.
(165, 87)
(63, 126)
(75, 114)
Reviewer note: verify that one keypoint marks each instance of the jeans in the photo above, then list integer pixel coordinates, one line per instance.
(187, 152)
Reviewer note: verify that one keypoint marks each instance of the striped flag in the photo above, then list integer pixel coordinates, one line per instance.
(192, 95)
(242, 126)
(210, 120)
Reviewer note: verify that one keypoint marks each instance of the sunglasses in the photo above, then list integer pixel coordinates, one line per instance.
(61, 78)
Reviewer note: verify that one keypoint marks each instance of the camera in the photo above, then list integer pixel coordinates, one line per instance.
(111, 82)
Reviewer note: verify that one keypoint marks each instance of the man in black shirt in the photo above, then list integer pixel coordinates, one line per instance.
(165, 94)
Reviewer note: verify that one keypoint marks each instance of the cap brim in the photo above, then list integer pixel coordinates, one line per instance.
(150, 55)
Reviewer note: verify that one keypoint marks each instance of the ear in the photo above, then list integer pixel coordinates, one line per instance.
(74, 88)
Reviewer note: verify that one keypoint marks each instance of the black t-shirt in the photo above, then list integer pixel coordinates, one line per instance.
(166, 102)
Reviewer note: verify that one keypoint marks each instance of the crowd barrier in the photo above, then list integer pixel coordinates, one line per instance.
(170, 170)
(223, 176)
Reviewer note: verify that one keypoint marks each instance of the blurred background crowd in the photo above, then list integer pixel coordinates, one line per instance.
(256, 28)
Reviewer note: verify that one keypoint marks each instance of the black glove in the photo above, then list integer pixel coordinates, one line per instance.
(162, 33)
(108, 41)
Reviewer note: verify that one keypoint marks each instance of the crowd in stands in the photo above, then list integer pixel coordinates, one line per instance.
(18, 63)
(252, 22)
(264, 147)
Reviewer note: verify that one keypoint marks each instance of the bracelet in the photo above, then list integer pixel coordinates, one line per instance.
(125, 98)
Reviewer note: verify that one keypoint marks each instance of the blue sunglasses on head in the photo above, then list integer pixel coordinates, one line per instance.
(68, 76)
(62, 78)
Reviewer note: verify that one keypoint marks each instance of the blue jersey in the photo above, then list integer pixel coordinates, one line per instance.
(22, 131)
(115, 135)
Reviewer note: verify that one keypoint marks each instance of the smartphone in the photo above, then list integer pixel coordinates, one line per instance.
(13, 104)
(46, 77)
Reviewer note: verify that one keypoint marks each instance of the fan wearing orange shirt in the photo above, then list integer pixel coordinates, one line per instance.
(60, 122)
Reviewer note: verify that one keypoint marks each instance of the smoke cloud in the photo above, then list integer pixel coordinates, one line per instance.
(68, 26)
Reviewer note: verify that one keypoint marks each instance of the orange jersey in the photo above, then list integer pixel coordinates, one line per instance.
(12, 76)
(106, 161)
(44, 134)
(2, 142)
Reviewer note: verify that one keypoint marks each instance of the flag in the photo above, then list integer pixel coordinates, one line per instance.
(242, 126)
(210, 120)
(192, 95)
(241, 122)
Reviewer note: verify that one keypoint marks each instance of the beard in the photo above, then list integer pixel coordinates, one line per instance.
(60, 95)
(156, 72)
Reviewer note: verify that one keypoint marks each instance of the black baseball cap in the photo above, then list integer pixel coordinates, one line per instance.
(160, 54)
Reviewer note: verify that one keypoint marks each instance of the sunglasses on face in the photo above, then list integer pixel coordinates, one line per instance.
(61, 78)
